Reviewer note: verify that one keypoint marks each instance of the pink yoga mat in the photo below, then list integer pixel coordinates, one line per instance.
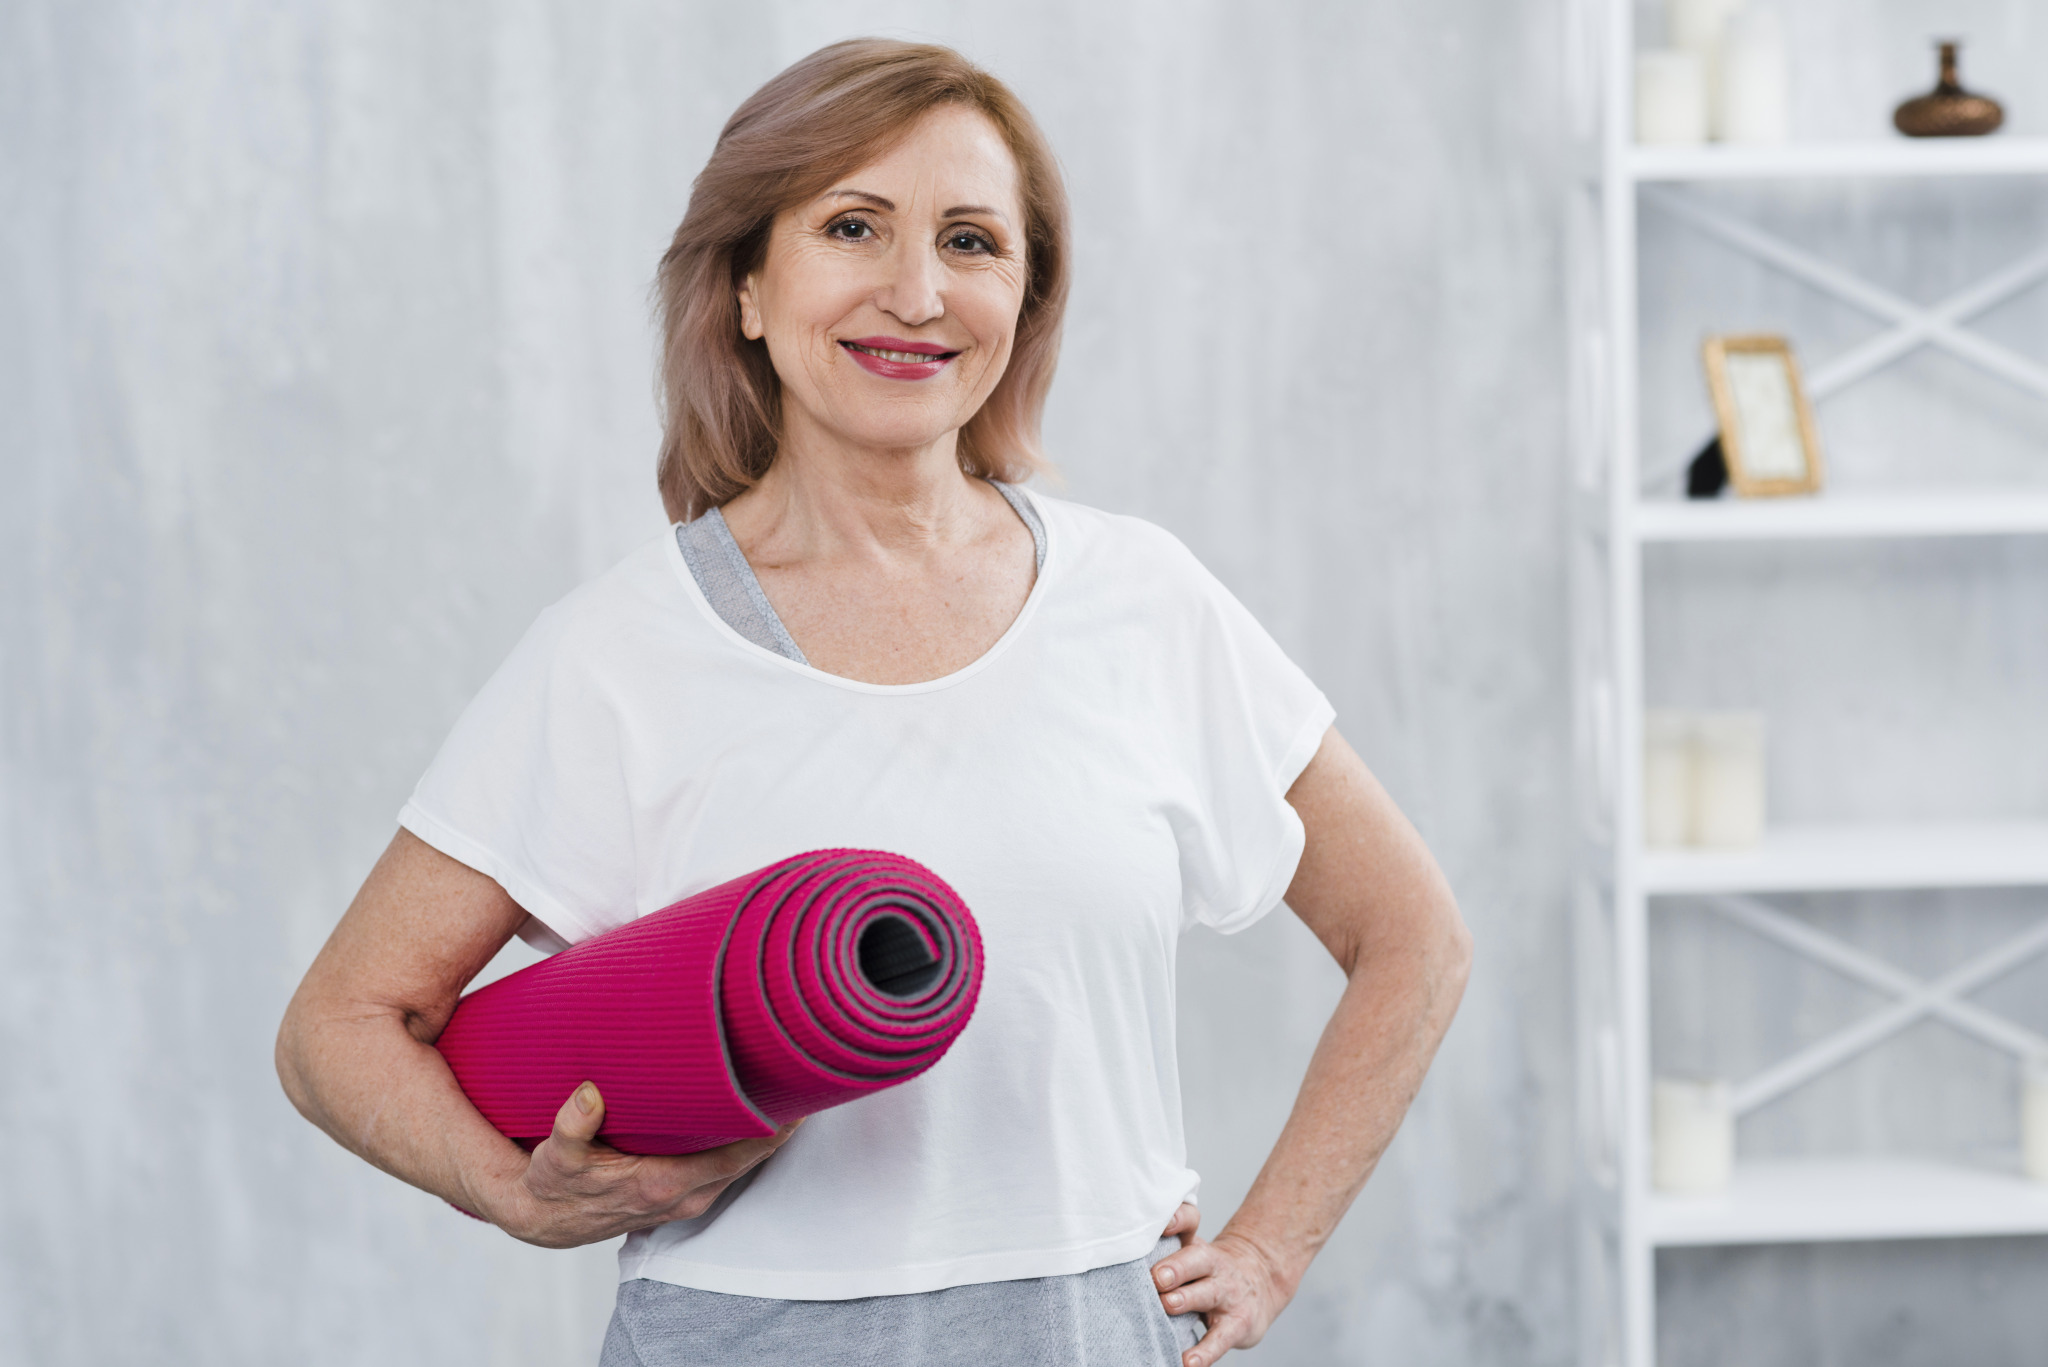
(806, 985)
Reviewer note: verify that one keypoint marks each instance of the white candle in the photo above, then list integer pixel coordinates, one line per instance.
(1753, 101)
(1667, 778)
(1671, 98)
(1728, 779)
(1692, 1134)
(2034, 1118)
(1696, 26)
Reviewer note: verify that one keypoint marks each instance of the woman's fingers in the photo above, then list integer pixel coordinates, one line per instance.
(751, 1151)
(1229, 1284)
(577, 1123)
(729, 1161)
(1185, 1279)
(1195, 1260)
(1183, 1225)
(1196, 1297)
(1225, 1333)
(582, 1116)
(578, 1189)
(687, 1184)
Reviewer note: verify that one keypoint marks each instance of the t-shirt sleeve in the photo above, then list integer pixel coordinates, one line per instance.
(1257, 721)
(529, 788)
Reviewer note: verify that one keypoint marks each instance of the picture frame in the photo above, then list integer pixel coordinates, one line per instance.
(1768, 441)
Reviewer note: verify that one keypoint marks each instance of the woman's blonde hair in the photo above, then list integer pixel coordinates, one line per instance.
(834, 111)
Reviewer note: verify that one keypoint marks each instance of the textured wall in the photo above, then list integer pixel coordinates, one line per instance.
(324, 365)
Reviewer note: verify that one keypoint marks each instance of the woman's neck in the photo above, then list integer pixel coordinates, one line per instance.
(824, 501)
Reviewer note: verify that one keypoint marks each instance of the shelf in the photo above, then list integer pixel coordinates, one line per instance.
(1860, 857)
(1901, 157)
(1830, 1200)
(1904, 513)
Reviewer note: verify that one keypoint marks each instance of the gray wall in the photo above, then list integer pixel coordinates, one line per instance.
(324, 366)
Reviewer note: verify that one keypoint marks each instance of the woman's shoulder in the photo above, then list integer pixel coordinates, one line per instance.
(618, 611)
(1118, 548)
(1098, 535)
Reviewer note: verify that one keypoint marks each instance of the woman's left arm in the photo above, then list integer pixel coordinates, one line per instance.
(1370, 891)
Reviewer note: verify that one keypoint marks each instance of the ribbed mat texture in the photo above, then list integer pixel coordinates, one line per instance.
(808, 984)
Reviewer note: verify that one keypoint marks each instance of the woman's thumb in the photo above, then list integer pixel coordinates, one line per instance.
(578, 1121)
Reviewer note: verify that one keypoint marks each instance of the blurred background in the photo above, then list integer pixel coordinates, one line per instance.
(325, 364)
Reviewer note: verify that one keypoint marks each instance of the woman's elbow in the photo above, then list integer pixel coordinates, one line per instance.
(1454, 951)
(289, 1055)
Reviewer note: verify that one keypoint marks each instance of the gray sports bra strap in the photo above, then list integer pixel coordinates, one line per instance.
(1028, 515)
(728, 583)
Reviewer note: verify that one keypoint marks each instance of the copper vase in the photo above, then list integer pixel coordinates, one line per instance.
(1948, 111)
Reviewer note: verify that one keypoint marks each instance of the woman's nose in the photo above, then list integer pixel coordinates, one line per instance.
(913, 290)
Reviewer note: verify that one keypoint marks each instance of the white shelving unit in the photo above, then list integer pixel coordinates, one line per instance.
(1859, 857)
(1616, 524)
(2004, 512)
(1845, 1199)
(1838, 160)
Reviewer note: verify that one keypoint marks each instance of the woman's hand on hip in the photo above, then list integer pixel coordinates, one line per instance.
(576, 1189)
(1229, 1282)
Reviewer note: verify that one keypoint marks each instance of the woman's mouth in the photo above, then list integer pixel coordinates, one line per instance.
(894, 358)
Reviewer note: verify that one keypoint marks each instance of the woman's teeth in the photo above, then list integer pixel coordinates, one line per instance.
(906, 357)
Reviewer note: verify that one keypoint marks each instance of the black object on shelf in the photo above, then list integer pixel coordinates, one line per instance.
(1707, 476)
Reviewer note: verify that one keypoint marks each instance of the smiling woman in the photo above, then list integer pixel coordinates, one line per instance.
(861, 632)
(781, 176)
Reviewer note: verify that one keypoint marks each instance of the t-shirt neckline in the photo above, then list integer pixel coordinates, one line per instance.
(681, 570)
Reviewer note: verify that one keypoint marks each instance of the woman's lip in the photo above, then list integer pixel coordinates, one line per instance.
(890, 369)
(904, 344)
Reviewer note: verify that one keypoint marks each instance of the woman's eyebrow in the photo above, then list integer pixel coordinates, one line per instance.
(889, 205)
(876, 200)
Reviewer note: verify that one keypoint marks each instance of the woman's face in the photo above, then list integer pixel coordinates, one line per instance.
(889, 303)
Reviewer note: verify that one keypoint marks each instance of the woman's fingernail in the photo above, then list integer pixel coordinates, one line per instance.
(1173, 1300)
(586, 1098)
(1164, 1276)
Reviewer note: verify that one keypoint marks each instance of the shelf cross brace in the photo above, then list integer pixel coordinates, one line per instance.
(1913, 326)
(1941, 998)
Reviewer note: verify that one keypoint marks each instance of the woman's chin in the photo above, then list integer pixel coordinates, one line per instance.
(891, 433)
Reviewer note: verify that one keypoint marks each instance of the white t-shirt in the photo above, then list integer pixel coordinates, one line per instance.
(1111, 771)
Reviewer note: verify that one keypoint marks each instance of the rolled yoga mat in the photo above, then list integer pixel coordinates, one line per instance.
(811, 983)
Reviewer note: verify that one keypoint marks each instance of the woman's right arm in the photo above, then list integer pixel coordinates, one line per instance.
(356, 1055)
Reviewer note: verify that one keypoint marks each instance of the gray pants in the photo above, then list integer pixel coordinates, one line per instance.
(1110, 1317)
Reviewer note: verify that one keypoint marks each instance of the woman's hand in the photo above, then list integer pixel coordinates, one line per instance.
(1230, 1282)
(356, 1055)
(578, 1190)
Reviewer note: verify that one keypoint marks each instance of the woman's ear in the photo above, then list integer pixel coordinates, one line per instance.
(750, 316)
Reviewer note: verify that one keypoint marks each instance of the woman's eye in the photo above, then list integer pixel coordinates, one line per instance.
(970, 242)
(851, 230)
